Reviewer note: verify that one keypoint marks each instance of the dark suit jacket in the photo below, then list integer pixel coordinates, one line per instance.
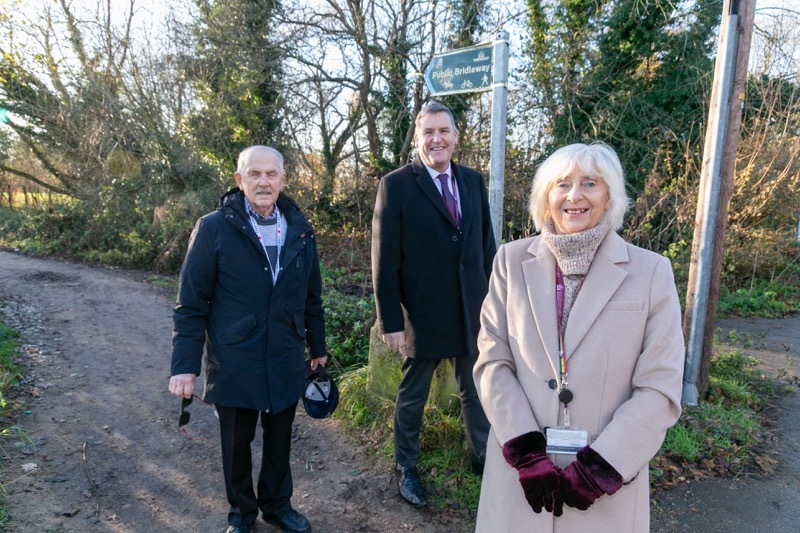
(430, 278)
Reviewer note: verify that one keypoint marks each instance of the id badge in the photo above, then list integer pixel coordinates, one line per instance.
(566, 440)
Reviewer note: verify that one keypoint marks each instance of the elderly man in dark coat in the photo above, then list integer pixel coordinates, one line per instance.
(250, 298)
(432, 252)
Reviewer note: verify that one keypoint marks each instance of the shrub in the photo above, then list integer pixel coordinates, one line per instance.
(348, 319)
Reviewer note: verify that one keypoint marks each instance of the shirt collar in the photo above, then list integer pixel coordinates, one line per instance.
(435, 173)
(255, 215)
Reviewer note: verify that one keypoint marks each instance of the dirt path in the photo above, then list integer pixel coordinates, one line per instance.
(102, 451)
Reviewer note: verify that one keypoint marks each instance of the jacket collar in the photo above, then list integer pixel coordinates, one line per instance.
(233, 202)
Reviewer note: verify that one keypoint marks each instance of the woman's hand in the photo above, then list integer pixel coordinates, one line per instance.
(539, 477)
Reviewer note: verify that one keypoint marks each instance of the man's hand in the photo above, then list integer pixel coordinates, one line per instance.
(395, 340)
(182, 385)
(319, 361)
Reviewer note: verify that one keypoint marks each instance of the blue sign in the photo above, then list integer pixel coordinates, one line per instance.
(461, 71)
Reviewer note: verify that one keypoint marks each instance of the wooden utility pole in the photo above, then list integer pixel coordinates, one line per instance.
(719, 163)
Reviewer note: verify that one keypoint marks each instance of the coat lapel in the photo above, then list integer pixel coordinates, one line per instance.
(601, 282)
(540, 280)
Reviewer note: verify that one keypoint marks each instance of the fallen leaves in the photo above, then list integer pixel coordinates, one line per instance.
(767, 463)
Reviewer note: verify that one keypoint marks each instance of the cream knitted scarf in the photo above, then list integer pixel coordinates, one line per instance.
(574, 253)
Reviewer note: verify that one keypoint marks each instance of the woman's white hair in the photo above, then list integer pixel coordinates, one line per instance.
(597, 160)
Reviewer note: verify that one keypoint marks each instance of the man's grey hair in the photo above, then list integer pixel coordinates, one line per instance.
(433, 108)
(244, 153)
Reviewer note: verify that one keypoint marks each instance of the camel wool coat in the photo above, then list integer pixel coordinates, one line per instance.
(625, 357)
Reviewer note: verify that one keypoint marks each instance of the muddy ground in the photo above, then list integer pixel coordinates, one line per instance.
(101, 449)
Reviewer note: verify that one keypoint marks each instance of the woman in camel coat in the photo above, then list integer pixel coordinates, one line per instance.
(576, 315)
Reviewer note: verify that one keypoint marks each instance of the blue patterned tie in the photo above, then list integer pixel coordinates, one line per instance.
(449, 200)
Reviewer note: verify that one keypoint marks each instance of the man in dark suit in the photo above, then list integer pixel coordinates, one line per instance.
(250, 297)
(432, 252)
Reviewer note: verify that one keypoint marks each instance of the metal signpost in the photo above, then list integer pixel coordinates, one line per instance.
(468, 70)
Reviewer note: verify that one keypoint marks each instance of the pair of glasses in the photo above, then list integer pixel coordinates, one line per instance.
(186, 415)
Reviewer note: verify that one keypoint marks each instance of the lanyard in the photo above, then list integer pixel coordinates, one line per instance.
(564, 394)
(277, 267)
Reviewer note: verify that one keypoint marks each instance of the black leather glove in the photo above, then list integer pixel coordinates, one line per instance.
(538, 475)
(588, 478)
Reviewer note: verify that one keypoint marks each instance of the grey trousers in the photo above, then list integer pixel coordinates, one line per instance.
(410, 404)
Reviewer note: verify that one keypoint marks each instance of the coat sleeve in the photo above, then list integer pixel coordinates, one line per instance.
(387, 260)
(314, 316)
(639, 424)
(195, 290)
(501, 394)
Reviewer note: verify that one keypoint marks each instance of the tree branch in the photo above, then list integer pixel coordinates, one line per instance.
(34, 179)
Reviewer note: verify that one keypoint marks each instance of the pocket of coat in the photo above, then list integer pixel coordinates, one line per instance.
(300, 324)
(236, 331)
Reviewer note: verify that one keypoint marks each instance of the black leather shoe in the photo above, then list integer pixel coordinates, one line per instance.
(239, 529)
(476, 467)
(292, 521)
(410, 486)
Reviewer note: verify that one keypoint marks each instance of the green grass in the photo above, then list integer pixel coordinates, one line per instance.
(723, 435)
(9, 371)
(683, 441)
(164, 282)
(9, 374)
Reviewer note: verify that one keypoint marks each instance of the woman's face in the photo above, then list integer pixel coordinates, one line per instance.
(577, 202)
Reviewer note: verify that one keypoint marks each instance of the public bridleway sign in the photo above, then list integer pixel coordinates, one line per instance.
(460, 71)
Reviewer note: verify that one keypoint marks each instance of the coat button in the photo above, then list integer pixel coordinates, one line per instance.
(455, 238)
(265, 269)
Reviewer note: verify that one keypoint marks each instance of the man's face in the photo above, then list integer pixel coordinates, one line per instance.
(435, 139)
(261, 179)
